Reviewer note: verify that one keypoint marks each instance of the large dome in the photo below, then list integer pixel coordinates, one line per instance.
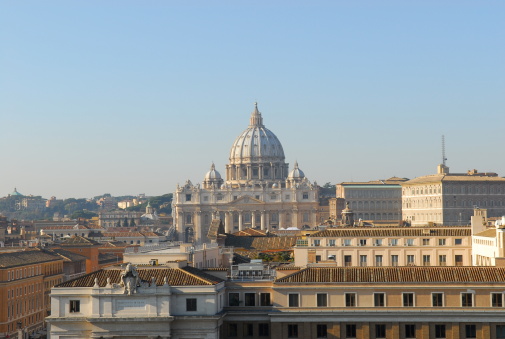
(257, 144)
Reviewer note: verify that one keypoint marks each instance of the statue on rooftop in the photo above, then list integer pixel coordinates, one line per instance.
(130, 279)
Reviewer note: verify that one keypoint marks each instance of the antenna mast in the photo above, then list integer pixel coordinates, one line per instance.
(443, 150)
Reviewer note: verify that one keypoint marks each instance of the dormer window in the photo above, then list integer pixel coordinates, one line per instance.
(188, 197)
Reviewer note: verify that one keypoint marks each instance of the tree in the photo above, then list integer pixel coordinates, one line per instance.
(132, 223)
(125, 222)
(85, 214)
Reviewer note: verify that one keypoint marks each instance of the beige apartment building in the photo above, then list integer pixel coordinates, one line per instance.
(450, 198)
(391, 246)
(373, 200)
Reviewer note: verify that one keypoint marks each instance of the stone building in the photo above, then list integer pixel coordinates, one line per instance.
(450, 198)
(259, 190)
(373, 200)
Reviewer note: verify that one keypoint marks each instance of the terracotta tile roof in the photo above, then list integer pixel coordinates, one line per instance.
(76, 227)
(250, 232)
(491, 233)
(452, 177)
(433, 274)
(66, 255)
(187, 276)
(261, 243)
(13, 259)
(393, 232)
(78, 240)
(390, 181)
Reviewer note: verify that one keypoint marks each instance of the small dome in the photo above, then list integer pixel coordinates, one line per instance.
(16, 193)
(275, 185)
(212, 174)
(296, 173)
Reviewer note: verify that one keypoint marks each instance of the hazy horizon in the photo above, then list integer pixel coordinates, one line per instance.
(128, 97)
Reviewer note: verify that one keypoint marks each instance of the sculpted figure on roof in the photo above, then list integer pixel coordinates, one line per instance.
(130, 279)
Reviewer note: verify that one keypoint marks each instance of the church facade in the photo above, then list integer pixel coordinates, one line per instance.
(259, 190)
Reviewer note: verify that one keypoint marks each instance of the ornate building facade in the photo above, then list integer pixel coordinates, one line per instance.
(259, 190)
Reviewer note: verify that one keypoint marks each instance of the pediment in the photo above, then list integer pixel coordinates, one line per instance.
(246, 199)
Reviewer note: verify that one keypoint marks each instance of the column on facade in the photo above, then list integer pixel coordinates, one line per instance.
(180, 222)
(262, 221)
(294, 221)
(253, 219)
(313, 217)
(260, 172)
(281, 219)
(227, 222)
(240, 223)
(267, 221)
(197, 223)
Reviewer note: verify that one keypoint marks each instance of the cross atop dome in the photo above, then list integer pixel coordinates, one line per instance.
(256, 118)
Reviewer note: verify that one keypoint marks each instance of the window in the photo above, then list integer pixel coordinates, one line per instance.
(378, 242)
(362, 242)
(305, 195)
(426, 260)
(305, 217)
(470, 331)
(362, 260)
(250, 299)
(394, 242)
(500, 331)
(458, 241)
(265, 299)
(321, 331)
(410, 259)
(380, 331)
(287, 197)
(317, 242)
(188, 197)
(248, 330)
(322, 299)
(347, 260)
(188, 218)
(426, 242)
(441, 242)
(442, 260)
(466, 299)
(437, 299)
(350, 299)
(408, 299)
(410, 242)
(233, 299)
(347, 242)
(232, 330)
(293, 300)
(331, 242)
(378, 260)
(410, 330)
(292, 331)
(458, 259)
(379, 299)
(394, 260)
(496, 300)
(439, 331)
(263, 330)
(75, 306)
(350, 330)
(191, 304)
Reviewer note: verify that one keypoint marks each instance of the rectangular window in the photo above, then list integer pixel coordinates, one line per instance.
(232, 330)
(362, 260)
(467, 299)
(317, 242)
(426, 260)
(305, 195)
(410, 330)
(437, 299)
(350, 331)
(379, 299)
(458, 259)
(347, 242)
(350, 299)
(394, 260)
(378, 260)
(264, 329)
(191, 304)
(347, 260)
(75, 306)
(265, 299)
(496, 300)
(500, 331)
(331, 242)
(458, 241)
(250, 299)
(411, 260)
(442, 260)
(440, 331)
(441, 242)
(362, 242)
(292, 331)
(426, 242)
(233, 299)
(188, 197)
(293, 299)
(393, 242)
(321, 331)
(322, 299)
(380, 331)
(248, 330)
(378, 242)
(410, 242)
(470, 331)
(408, 299)
(305, 217)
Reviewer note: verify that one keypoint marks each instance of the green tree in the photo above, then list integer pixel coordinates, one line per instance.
(85, 214)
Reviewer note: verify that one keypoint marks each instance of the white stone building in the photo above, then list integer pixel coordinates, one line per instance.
(259, 190)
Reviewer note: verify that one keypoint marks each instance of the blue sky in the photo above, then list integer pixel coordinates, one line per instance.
(128, 97)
